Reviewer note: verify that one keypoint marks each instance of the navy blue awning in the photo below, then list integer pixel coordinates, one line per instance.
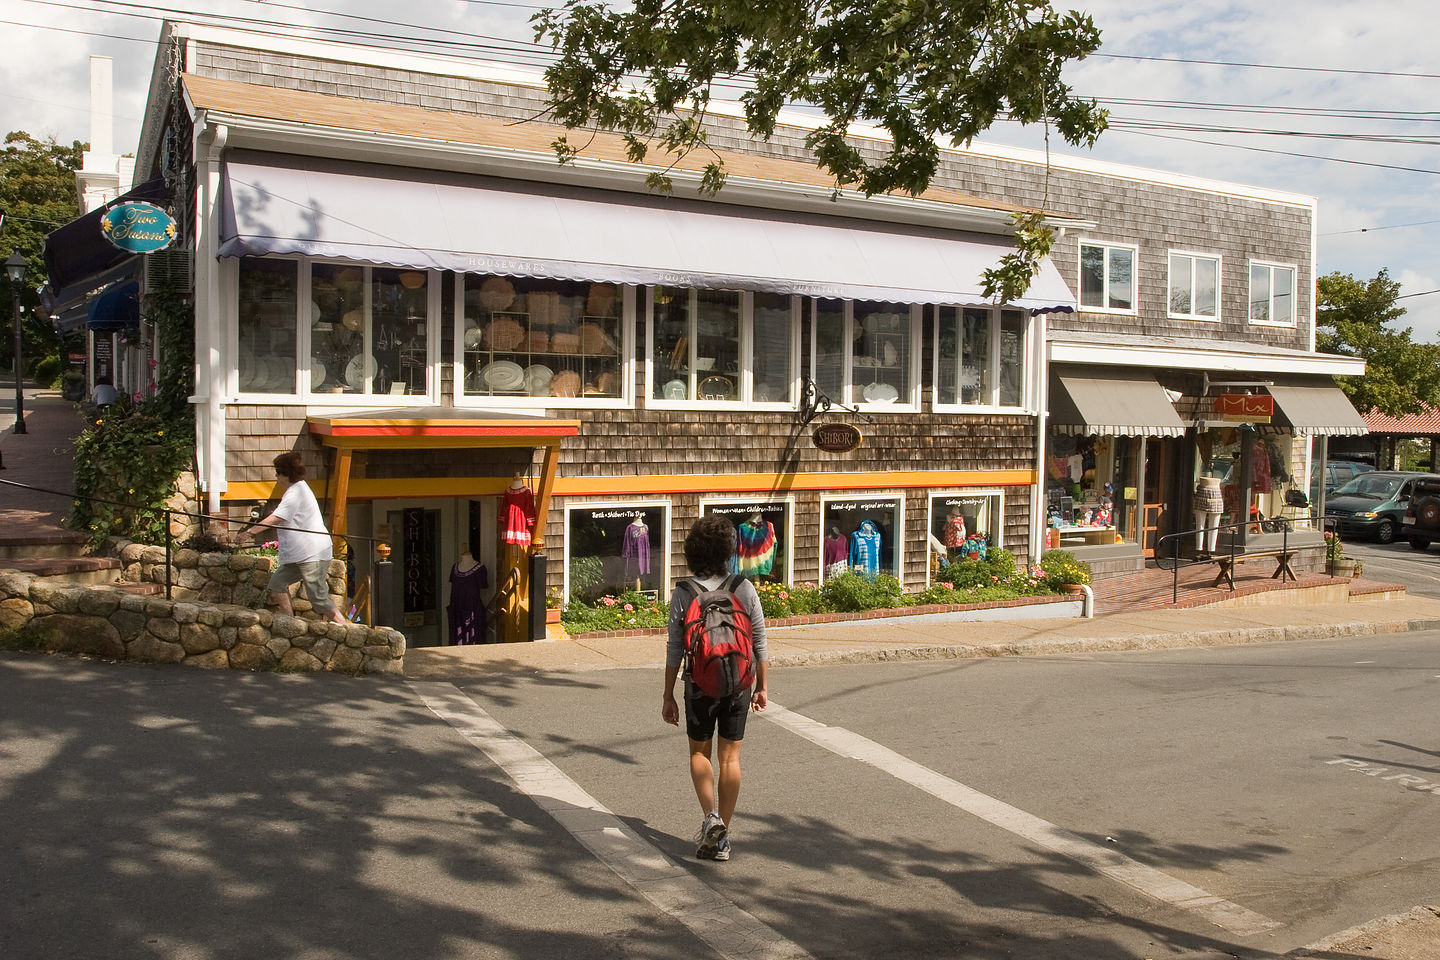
(78, 253)
(116, 309)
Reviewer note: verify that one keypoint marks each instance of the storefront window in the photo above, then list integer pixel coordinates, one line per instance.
(399, 302)
(862, 535)
(613, 548)
(980, 357)
(1255, 475)
(963, 525)
(266, 332)
(525, 338)
(337, 329)
(774, 331)
(864, 351)
(764, 529)
(1083, 478)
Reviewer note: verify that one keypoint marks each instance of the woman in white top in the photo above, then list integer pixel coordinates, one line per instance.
(304, 545)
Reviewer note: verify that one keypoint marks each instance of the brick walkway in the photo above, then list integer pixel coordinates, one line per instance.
(43, 456)
(1152, 589)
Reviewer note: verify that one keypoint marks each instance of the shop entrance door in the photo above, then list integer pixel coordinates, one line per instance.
(1156, 512)
(422, 534)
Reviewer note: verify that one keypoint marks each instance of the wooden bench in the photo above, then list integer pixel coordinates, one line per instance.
(1227, 563)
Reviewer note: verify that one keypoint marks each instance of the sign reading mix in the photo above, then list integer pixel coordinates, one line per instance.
(138, 227)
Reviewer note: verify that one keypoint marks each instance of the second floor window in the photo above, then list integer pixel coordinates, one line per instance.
(1107, 277)
(1194, 286)
(1272, 294)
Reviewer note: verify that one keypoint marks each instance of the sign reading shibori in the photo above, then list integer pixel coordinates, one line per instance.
(138, 227)
(1245, 407)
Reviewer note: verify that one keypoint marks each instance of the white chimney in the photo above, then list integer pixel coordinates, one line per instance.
(98, 180)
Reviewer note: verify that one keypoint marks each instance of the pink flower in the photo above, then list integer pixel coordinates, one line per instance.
(608, 601)
(948, 586)
(629, 609)
(784, 595)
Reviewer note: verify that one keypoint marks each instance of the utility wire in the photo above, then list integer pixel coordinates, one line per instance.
(1271, 66)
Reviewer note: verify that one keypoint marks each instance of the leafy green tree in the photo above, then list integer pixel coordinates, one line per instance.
(925, 71)
(37, 193)
(1401, 377)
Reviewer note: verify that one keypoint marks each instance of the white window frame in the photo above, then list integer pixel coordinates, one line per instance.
(664, 505)
(230, 278)
(862, 497)
(1108, 246)
(1272, 266)
(998, 535)
(471, 401)
(1195, 257)
(910, 402)
(746, 385)
(1027, 363)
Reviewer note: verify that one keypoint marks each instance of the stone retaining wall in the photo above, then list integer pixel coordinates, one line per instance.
(111, 623)
(237, 578)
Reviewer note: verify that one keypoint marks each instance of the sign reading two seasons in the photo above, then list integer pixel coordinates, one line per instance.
(138, 227)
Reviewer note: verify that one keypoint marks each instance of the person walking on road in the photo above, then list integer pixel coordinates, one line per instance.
(709, 547)
(305, 551)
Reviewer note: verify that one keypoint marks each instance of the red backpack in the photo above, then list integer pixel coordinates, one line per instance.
(718, 640)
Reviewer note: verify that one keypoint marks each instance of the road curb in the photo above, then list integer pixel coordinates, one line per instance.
(1101, 644)
(1396, 937)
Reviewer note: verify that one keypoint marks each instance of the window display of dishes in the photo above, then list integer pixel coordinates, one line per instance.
(537, 379)
(359, 371)
(674, 390)
(317, 374)
(880, 393)
(503, 375)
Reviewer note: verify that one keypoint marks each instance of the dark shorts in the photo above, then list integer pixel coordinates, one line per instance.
(703, 714)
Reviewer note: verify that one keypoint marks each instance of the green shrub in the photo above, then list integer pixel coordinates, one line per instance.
(628, 611)
(850, 593)
(47, 370)
(586, 574)
(788, 600)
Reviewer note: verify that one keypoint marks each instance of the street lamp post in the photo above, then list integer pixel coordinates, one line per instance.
(15, 267)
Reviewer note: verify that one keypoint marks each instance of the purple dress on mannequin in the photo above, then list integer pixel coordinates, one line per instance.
(466, 611)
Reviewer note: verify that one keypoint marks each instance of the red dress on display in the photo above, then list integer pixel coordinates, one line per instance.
(517, 515)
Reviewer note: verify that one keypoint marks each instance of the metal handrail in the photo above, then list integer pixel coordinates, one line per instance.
(168, 512)
(1284, 523)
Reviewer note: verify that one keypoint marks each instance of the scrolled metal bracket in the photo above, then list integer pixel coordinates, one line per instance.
(813, 403)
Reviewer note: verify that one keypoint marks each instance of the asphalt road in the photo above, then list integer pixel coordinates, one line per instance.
(1192, 803)
(1398, 562)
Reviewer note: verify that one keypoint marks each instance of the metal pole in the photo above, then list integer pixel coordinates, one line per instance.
(167, 555)
(19, 365)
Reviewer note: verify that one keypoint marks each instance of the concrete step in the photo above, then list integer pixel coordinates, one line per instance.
(39, 546)
(90, 571)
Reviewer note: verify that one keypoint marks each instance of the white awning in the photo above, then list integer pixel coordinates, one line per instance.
(436, 220)
(1113, 405)
(1317, 411)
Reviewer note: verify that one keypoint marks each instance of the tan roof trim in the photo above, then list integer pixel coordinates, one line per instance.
(372, 117)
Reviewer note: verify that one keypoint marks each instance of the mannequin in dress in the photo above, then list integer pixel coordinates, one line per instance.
(1209, 505)
(466, 610)
(635, 549)
(517, 513)
(836, 553)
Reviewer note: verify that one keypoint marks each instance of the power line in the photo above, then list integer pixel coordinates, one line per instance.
(1285, 153)
(1271, 66)
(1422, 293)
(1393, 226)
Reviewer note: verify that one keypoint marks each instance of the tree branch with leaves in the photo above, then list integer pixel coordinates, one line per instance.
(924, 71)
(1353, 319)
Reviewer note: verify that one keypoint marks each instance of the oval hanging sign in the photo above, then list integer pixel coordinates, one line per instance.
(837, 437)
(138, 227)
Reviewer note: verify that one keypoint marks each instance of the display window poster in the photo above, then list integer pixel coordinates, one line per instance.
(763, 529)
(861, 534)
(614, 547)
(958, 517)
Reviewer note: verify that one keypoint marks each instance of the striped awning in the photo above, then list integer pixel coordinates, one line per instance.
(1320, 410)
(1098, 403)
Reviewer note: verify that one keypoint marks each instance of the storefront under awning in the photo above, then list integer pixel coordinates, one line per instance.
(78, 257)
(1317, 411)
(351, 433)
(437, 220)
(1105, 404)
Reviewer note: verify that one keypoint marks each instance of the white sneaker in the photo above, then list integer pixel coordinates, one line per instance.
(711, 835)
(722, 852)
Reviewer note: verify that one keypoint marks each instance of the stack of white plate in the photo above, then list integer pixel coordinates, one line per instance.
(503, 375)
(537, 379)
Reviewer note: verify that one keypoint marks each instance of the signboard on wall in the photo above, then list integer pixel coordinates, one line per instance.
(1245, 407)
(138, 227)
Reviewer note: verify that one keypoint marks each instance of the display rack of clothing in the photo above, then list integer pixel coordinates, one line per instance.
(466, 610)
(635, 548)
(865, 549)
(755, 547)
(836, 553)
(517, 514)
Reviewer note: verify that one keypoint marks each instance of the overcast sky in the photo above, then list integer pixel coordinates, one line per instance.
(1345, 72)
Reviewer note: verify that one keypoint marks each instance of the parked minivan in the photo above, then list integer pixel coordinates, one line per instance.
(1336, 473)
(1373, 504)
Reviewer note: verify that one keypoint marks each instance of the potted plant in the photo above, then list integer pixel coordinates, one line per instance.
(1336, 563)
(1064, 572)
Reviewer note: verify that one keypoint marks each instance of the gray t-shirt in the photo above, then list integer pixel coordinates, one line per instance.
(680, 601)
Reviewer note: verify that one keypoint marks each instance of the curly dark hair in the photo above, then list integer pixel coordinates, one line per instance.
(709, 545)
(290, 466)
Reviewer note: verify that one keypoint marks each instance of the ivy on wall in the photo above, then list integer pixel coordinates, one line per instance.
(134, 451)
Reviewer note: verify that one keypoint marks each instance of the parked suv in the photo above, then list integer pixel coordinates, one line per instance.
(1422, 517)
(1374, 504)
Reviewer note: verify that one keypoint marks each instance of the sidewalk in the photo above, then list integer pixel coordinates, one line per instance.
(43, 456)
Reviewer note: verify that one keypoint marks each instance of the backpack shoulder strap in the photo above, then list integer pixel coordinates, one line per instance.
(732, 582)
